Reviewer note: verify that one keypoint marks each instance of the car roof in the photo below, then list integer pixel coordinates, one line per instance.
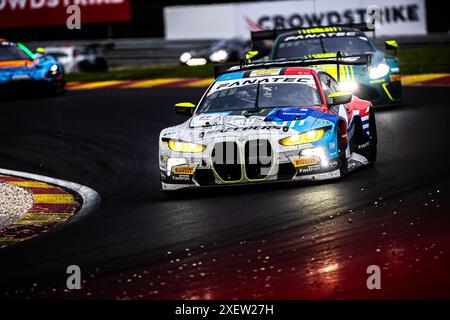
(267, 72)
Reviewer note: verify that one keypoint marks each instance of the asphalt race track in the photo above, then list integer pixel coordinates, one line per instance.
(294, 241)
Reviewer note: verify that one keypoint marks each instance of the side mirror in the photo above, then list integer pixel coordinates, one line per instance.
(251, 54)
(391, 45)
(340, 97)
(185, 108)
(40, 50)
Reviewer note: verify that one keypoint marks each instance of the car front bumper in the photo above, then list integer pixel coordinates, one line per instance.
(32, 86)
(286, 166)
(385, 91)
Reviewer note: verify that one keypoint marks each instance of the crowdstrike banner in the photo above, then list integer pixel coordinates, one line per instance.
(405, 17)
(26, 13)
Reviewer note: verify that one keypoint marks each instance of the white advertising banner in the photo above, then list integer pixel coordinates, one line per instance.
(405, 17)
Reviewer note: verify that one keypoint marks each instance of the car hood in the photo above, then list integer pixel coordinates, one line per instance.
(278, 121)
(239, 120)
(25, 69)
(15, 70)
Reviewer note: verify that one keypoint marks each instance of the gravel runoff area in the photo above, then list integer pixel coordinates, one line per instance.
(14, 203)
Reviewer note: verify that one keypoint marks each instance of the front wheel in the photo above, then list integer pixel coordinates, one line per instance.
(366, 144)
(371, 151)
(57, 91)
(342, 158)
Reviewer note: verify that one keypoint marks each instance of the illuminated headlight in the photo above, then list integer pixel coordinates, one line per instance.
(306, 137)
(351, 86)
(219, 56)
(316, 152)
(180, 146)
(379, 71)
(196, 62)
(185, 57)
(173, 162)
(54, 71)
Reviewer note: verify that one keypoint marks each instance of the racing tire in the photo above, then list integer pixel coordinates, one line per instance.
(100, 65)
(85, 66)
(373, 139)
(371, 152)
(342, 158)
(57, 90)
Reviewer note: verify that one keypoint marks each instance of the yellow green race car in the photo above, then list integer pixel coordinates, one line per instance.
(378, 82)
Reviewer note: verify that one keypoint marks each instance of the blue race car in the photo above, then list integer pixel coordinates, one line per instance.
(21, 69)
(379, 82)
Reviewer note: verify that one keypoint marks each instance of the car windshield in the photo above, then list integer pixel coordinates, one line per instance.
(302, 48)
(9, 52)
(270, 96)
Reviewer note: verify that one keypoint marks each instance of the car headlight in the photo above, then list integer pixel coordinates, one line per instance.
(317, 152)
(180, 146)
(379, 71)
(306, 137)
(219, 56)
(185, 57)
(54, 71)
(196, 62)
(173, 162)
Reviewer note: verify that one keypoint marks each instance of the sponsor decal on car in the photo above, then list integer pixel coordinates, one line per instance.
(320, 30)
(268, 72)
(307, 79)
(303, 162)
(320, 35)
(364, 145)
(231, 129)
(20, 77)
(309, 169)
(183, 170)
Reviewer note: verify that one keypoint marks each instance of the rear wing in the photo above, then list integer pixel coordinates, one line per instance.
(362, 59)
(273, 34)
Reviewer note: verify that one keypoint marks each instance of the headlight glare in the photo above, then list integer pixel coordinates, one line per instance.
(180, 146)
(348, 86)
(307, 137)
(173, 162)
(219, 56)
(193, 62)
(317, 152)
(378, 71)
(53, 72)
(185, 57)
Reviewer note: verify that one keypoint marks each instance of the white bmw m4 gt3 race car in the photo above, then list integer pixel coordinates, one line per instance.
(268, 122)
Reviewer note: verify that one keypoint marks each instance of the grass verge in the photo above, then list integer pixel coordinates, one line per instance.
(434, 59)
